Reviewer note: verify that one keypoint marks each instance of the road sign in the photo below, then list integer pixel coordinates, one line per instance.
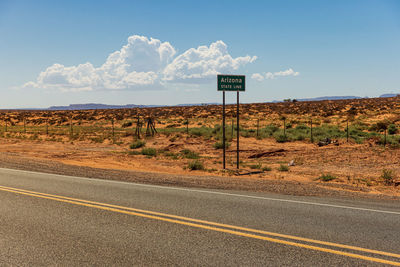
(235, 83)
(231, 82)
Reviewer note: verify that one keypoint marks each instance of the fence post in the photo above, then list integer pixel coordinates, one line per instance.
(47, 126)
(112, 123)
(187, 125)
(312, 137)
(5, 127)
(384, 141)
(258, 125)
(347, 130)
(284, 126)
(71, 131)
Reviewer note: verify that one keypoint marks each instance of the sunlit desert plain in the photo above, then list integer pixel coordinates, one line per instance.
(343, 144)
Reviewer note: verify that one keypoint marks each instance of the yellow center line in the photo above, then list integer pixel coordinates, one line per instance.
(211, 226)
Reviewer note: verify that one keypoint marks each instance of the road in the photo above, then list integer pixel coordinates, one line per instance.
(48, 219)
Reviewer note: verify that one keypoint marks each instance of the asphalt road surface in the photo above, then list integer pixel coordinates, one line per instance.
(48, 219)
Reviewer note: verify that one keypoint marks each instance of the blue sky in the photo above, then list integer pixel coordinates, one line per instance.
(57, 53)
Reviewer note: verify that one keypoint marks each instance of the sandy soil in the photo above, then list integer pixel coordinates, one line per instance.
(358, 168)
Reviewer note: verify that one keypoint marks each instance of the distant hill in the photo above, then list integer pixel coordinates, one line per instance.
(104, 106)
(95, 106)
(389, 95)
(329, 98)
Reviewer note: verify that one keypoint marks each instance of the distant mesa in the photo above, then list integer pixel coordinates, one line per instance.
(389, 95)
(93, 106)
(105, 106)
(322, 98)
(329, 98)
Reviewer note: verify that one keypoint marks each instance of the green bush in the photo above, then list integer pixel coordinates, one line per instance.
(201, 131)
(326, 178)
(266, 169)
(283, 168)
(171, 155)
(189, 154)
(392, 129)
(281, 138)
(255, 166)
(127, 124)
(219, 145)
(137, 144)
(388, 177)
(301, 127)
(195, 165)
(149, 152)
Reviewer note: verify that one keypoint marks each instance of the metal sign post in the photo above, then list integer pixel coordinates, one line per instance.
(235, 83)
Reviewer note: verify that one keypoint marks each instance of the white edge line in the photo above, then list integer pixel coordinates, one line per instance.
(210, 192)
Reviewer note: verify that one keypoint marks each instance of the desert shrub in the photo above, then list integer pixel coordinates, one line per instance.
(173, 125)
(388, 177)
(283, 168)
(217, 129)
(137, 144)
(266, 169)
(195, 165)
(219, 145)
(255, 166)
(189, 154)
(326, 177)
(127, 124)
(392, 129)
(382, 125)
(269, 130)
(201, 131)
(171, 155)
(149, 152)
(301, 127)
(280, 138)
(245, 134)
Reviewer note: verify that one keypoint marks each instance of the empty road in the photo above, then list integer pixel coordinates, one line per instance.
(48, 219)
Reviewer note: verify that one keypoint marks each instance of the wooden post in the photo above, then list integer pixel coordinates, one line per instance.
(258, 125)
(47, 126)
(187, 126)
(24, 124)
(5, 127)
(312, 137)
(284, 127)
(71, 130)
(112, 124)
(347, 130)
(137, 132)
(384, 140)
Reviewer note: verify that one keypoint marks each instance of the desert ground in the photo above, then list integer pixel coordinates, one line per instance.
(351, 145)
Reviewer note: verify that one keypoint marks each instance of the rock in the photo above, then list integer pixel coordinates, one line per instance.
(291, 163)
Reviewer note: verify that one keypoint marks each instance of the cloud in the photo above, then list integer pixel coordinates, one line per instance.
(203, 64)
(142, 63)
(269, 75)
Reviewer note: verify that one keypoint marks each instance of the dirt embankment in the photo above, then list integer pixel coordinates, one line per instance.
(113, 162)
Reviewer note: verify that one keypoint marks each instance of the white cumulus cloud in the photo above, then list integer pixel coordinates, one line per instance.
(142, 63)
(272, 75)
(203, 63)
